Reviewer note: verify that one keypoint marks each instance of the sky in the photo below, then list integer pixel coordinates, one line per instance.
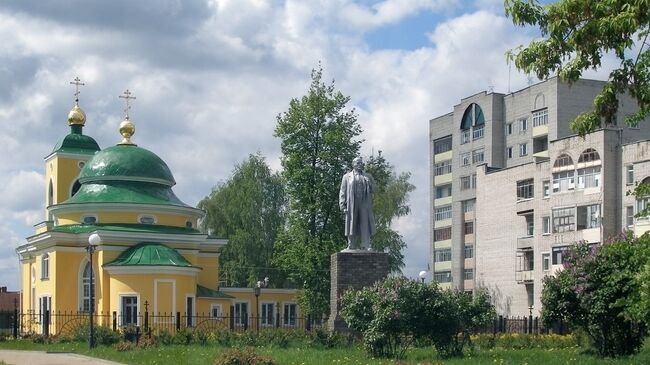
(210, 78)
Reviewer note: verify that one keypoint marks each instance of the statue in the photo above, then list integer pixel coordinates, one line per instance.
(355, 200)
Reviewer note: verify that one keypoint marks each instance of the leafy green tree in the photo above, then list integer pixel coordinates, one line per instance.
(248, 209)
(597, 292)
(319, 139)
(390, 201)
(576, 34)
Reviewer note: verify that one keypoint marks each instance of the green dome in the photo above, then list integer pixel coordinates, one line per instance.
(126, 163)
(150, 254)
(77, 142)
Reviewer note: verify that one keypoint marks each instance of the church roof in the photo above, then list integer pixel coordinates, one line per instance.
(127, 162)
(150, 254)
(203, 292)
(125, 192)
(77, 143)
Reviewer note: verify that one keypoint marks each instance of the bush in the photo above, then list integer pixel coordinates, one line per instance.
(517, 341)
(393, 314)
(597, 291)
(243, 357)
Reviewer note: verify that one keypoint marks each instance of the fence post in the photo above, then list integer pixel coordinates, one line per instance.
(15, 324)
(308, 324)
(277, 317)
(178, 321)
(46, 323)
(530, 323)
(114, 321)
(146, 321)
(232, 318)
(501, 325)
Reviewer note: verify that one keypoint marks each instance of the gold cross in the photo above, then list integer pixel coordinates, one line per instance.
(76, 82)
(127, 96)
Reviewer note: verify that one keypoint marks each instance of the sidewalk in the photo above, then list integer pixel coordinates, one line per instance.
(16, 357)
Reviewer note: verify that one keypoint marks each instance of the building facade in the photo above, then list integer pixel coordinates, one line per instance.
(512, 186)
(149, 254)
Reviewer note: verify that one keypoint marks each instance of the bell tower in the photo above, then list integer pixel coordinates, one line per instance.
(69, 156)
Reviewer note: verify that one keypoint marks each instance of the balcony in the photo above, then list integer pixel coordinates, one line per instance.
(541, 130)
(524, 277)
(477, 132)
(525, 243)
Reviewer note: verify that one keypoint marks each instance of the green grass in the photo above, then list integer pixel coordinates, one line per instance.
(194, 354)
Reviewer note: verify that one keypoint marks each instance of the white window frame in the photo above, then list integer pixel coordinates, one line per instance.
(219, 309)
(237, 315)
(546, 225)
(563, 181)
(546, 188)
(546, 261)
(143, 216)
(82, 284)
(629, 218)
(568, 221)
(122, 312)
(442, 255)
(478, 156)
(264, 320)
(442, 168)
(589, 177)
(540, 117)
(465, 159)
(286, 322)
(523, 125)
(45, 266)
(629, 174)
(523, 149)
(592, 214)
(442, 213)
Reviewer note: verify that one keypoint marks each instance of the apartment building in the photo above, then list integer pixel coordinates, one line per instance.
(512, 185)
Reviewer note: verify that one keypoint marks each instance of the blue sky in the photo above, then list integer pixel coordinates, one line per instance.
(211, 76)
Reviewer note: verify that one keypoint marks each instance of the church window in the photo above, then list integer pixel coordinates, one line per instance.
(188, 224)
(75, 188)
(45, 266)
(147, 219)
(86, 288)
(89, 219)
(290, 314)
(129, 310)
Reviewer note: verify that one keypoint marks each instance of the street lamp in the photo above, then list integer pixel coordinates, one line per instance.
(257, 290)
(93, 241)
(423, 275)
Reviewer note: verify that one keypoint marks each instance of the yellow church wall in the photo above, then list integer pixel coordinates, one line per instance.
(126, 217)
(63, 171)
(155, 289)
(209, 276)
(204, 307)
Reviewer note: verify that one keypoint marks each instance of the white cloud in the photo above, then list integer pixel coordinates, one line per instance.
(211, 79)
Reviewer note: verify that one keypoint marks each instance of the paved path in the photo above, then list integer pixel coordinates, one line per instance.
(16, 357)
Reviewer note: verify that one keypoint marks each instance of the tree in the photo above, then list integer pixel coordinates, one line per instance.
(248, 209)
(318, 141)
(576, 34)
(597, 292)
(389, 202)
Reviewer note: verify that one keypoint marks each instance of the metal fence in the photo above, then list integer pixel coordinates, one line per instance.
(66, 323)
(530, 325)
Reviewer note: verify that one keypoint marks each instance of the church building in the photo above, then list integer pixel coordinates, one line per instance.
(117, 240)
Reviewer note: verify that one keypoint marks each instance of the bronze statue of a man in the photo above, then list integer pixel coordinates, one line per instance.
(355, 200)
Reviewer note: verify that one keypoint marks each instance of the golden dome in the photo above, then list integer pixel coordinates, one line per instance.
(127, 129)
(76, 116)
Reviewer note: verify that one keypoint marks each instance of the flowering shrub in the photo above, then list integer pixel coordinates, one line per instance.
(597, 290)
(392, 314)
(243, 357)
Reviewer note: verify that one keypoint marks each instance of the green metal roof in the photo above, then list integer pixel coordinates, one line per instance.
(126, 162)
(75, 142)
(203, 292)
(124, 227)
(125, 192)
(150, 254)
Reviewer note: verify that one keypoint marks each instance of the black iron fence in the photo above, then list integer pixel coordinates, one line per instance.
(13, 323)
(530, 325)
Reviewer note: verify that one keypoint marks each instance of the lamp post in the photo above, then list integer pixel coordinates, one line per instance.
(257, 290)
(93, 241)
(423, 275)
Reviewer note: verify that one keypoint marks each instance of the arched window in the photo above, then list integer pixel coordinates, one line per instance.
(45, 266)
(75, 188)
(563, 174)
(86, 287)
(50, 199)
(563, 161)
(473, 116)
(589, 155)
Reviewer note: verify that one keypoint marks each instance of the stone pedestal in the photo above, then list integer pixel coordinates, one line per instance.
(352, 270)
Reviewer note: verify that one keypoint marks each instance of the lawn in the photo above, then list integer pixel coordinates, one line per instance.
(195, 354)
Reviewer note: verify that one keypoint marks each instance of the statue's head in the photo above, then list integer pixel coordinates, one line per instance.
(358, 164)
